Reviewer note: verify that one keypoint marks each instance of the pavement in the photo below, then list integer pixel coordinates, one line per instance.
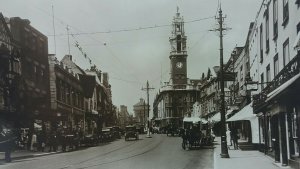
(247, 159)
(22, 154)
(239, 159)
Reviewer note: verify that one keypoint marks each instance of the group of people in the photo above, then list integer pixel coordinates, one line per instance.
(37, 141)
(232, 138)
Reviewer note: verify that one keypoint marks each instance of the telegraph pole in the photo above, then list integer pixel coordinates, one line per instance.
(224, 149)
(148, 125)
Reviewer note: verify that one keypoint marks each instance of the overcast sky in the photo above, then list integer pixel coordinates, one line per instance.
(133, 57)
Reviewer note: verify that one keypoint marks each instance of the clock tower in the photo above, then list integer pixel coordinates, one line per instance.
(178, 53)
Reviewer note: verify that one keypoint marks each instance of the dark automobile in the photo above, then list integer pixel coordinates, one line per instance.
(105, 135)
(131, 132)
(116, 132)
(71, 141)
(89, 140)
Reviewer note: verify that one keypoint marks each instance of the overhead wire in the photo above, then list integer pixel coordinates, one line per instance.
(132, 29)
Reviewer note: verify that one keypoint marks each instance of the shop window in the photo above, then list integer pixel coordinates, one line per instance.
(295, 131)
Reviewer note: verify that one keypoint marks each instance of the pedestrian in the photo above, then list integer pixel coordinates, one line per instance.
(228, 138)
(33, 145)
(235, 139)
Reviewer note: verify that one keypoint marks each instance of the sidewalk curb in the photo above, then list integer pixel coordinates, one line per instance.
(34, 155)
(215, 159)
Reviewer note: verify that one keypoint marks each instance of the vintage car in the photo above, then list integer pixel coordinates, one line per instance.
(89, 140)
(105, 135)
(116, 132)
(131, 132)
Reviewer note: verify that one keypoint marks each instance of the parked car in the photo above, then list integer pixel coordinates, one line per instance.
(89, 140)
(131, 132)
(105, 135)
(116, 132)
(71, 141)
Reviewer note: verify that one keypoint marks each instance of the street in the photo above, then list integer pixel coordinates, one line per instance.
(160, 152)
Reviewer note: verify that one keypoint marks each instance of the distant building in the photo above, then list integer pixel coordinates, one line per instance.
(123, 116)
(140, 110)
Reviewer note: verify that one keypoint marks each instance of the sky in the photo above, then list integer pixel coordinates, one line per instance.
(129, 39)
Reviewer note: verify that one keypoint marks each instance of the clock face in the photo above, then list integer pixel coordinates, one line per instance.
(179, 65)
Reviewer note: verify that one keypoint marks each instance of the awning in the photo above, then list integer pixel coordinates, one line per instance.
(296, 45)
(282, 87)
(95, 112)
(245, 113)
(216, 117)
(191, 119)
(195, 120)
(203, 121)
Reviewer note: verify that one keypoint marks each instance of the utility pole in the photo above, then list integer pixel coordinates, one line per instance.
(224, 149)
(148, 125)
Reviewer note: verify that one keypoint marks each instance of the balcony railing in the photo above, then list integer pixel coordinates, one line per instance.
(289, 71)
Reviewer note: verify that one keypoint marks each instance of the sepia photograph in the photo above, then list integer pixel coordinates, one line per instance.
(149, 84)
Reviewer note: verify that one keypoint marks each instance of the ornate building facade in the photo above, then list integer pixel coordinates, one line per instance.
(175, 100)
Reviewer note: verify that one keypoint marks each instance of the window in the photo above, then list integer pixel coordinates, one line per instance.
(295, 130)
(298, 26)
(276, 65)
(286, 52)
(261, 43)
(262, 81)
(275, 19)
(268, 73)
(267, 29)
(241, 73)
(297, 2)
(178, 43)
(285, 12)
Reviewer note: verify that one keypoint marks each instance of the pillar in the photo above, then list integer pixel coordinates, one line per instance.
(284, 155)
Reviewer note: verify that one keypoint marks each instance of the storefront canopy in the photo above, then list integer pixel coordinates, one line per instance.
(282, 87)
(95, 112)
(195, 120)
(245, 113)
(216, 117)
(191, 119)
